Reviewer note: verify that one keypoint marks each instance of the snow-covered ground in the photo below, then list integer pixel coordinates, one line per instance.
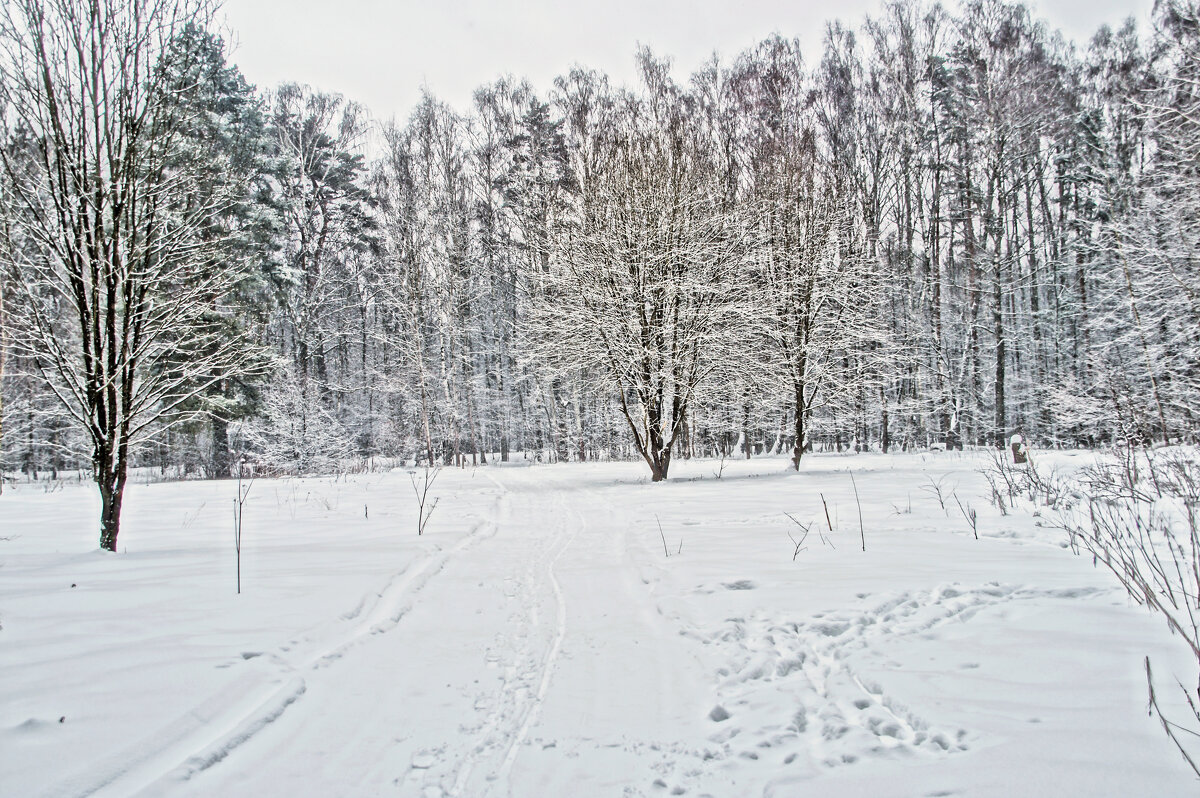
(539, 641)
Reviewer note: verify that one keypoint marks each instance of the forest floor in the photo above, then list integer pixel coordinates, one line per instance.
(573, 630)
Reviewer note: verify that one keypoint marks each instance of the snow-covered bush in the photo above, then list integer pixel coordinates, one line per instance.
(1135, 511)
(1138, 518)
(297, 433)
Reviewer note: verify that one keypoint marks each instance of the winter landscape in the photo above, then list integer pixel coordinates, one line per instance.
(545, 637)
(810, 419)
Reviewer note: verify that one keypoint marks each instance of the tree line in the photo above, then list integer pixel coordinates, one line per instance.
(943, 228)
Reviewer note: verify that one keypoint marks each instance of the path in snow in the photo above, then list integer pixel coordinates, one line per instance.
(504, 627)
(541, 641)
(280, 688)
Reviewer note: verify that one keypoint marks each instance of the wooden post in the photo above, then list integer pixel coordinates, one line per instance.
(1019, 453)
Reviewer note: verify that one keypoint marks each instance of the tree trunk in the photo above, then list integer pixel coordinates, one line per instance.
(1001, 417)
(660, 464)
(110, 479)
(476, 449)
(884, 439)
(685, 442)
(798, 449)
(3, 352)
(746, 423)
(221, 458)
(973, 300)
(424, 402)
(562, 434)
(653, 448)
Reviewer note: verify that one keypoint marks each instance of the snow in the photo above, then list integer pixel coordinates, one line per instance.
(539, 639)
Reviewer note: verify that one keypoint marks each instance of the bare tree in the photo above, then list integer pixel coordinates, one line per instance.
(1153, 285)
(122, 280)
(5, 244)
(646, 291)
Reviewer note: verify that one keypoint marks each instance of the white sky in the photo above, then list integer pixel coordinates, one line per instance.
(381, 52)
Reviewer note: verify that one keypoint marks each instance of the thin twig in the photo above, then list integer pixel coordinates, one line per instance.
(422, 494)
(1167, 725)
(862, 532)
(799, 544)
(828, 523)
(969, 514)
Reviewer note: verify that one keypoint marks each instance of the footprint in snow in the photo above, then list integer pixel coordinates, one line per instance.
(423, 760)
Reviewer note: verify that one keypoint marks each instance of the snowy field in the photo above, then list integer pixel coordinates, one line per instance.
(539, 641)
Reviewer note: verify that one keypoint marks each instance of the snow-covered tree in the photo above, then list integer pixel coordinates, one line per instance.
(644, 291)
(113, 204)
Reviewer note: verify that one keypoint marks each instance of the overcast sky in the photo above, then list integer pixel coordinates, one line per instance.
(381, 52)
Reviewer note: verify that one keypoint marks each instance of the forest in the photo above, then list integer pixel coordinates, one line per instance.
(946, 228)
(951, 228)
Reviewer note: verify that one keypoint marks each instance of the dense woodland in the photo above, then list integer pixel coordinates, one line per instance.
(946, 227)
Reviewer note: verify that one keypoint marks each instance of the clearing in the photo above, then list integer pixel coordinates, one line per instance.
(574, 630)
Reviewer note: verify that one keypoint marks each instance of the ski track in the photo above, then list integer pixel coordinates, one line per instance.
(516, 702)
(211, 731)
(788, 694)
